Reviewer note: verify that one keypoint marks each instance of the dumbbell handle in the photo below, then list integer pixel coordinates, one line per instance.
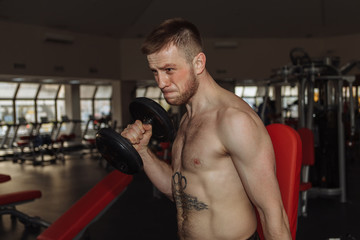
(148, 121)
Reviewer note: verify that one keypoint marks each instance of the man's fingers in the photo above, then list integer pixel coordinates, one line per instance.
(135, 132)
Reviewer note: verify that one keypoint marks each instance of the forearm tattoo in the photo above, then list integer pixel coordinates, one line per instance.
(182, 199)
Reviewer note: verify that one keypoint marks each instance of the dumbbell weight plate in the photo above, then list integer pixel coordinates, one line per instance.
(149, 111)
(118, 151)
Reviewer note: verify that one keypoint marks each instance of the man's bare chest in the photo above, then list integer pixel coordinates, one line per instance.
(195, 146)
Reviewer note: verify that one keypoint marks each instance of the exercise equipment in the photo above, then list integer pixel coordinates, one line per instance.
(287, 148)
(91, 128)
(5, 147)
(329, 78)
(298, 56)
(37, 145)
(22, 141)
(308, 159)
(118, 151)
(63, 134)
(5, 127)
(9, 201)
(324, 117)
(88, 138)
(74, 222)
(68, 135)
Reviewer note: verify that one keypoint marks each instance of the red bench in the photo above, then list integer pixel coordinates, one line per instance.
(4, 178)
(74, 221)
(9, 201)
(16, 198)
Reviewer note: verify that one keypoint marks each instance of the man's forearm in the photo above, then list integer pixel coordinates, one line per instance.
(277, 231)
(158, 171)
(280, 235)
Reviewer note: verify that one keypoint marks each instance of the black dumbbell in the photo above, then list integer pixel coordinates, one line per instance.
(118, 151)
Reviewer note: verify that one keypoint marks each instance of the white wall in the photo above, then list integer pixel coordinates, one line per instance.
(347, 47)
(25, 44)
(250, 59)
(122, 59)
(134, 65)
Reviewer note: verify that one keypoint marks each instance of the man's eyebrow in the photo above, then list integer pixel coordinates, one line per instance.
(168, 65)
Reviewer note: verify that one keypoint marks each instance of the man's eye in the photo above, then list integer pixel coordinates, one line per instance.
(169, 69)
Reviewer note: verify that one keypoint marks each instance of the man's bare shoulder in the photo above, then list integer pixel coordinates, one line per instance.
(238, 114)
(239, 125)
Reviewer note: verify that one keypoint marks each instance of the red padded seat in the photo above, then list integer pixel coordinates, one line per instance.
(66, 137)
(287, 148)
(26, 138)
(308, 159)
(305, 186)
(307, 138)
(22, 143)
(4, 178)
(84, 211)
(18, 197)
(91, 141)
(9, 201)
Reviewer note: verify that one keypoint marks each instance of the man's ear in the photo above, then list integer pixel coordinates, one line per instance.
(199, 63)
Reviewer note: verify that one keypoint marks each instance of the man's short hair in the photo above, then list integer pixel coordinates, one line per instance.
(183, 34)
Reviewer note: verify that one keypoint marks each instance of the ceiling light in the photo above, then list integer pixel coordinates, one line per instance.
(48, 80)
(74, 82)
(18, 79)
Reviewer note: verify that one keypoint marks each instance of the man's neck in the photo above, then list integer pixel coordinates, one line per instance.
(204, 97)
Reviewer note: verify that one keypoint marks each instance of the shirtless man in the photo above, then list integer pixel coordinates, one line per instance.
(222, 158)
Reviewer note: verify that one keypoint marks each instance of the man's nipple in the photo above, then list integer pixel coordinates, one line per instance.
(197, 162)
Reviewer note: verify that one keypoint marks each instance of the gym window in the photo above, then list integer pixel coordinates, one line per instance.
(289, 101)
(153, 93)
(254, 95)
(60, 103)
(356, 96)
(7, 93)
(102, 102)
(30, 102)
(95, 102)
(25, 101)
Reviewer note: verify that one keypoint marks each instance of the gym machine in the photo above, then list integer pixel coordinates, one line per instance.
(324, 118)
(34, 143)
(9, 202)
(5, 137)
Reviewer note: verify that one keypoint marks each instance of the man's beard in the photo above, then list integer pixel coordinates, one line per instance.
(190, 90)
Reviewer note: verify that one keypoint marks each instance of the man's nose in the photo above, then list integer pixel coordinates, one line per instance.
(163, 81)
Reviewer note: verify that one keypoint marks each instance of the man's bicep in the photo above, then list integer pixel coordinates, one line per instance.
(251, 151)
(257, 172)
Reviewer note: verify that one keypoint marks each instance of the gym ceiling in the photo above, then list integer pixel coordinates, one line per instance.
(217, 19)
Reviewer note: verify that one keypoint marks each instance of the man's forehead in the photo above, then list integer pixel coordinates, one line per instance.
(165, 51)
(169, 56)
(158, 63)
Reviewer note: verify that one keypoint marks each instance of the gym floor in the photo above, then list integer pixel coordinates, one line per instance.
(141, 214)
